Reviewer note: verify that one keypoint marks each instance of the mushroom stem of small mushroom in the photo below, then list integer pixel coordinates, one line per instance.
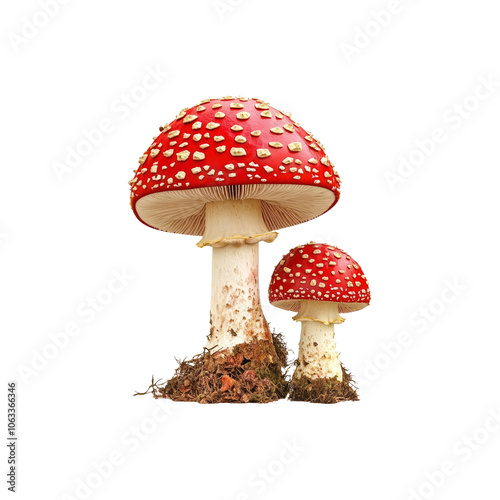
(318, 357)
(234, 229)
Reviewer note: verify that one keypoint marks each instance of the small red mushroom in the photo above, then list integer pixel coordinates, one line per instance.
(318, 281)
(233, 171)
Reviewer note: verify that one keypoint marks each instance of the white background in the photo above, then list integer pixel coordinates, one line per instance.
(429, 246)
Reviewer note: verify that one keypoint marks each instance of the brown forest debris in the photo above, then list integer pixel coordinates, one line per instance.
(326, 391)
(253, 373)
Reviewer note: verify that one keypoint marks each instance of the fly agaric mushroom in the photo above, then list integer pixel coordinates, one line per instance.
(319, 281)
(233, 171)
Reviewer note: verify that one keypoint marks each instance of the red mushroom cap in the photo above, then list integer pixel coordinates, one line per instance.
(322, 272)
(232, 148)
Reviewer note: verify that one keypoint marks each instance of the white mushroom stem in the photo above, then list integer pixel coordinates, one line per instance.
(234, 222)
(318, 357)
(233, 229)
(236, 315)
(316, 310)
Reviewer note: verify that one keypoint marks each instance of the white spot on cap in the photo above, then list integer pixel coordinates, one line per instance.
(238, 152)
(263, 153)
(261, 105)
(183, 155)
(295, 146)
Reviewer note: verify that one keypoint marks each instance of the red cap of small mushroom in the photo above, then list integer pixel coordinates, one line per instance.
(322, 272)
(219, 144)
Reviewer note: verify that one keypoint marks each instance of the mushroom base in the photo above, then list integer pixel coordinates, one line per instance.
(324, 390)
(244, 376)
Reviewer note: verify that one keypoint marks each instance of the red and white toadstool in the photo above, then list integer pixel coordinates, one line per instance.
(318, 281)
(233, 171)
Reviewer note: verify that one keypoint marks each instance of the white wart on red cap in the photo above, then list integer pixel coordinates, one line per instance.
(319, 272)
(232, 149)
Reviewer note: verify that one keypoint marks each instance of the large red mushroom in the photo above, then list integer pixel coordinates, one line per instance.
(233, 171)
(319, 281)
